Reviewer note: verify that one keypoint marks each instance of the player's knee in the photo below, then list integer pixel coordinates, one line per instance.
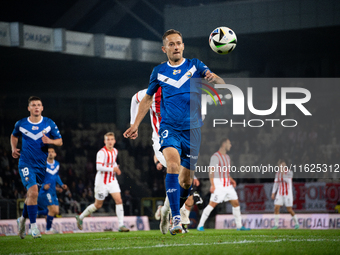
(119, 201)
(172, 167)
(235, 203)
(33, 194)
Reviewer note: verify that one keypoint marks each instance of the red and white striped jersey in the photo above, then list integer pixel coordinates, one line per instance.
(221, 164)
(283, 183)
(105, 163)
(155, 110)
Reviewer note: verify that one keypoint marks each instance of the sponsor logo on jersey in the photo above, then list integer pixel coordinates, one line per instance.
(35, 128)
(176, 71)
(101, 195)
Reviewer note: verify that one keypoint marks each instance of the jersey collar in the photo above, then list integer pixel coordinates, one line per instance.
(28, 119)
(184, 59)
(51, 163)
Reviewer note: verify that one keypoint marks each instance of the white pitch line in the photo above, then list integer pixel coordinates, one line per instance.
(176, 245)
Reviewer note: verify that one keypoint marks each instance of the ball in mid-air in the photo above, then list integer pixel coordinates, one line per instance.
(222, 40)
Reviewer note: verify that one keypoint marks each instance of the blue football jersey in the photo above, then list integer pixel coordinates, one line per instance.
(181, 100)
(33, 151)
(52, 177)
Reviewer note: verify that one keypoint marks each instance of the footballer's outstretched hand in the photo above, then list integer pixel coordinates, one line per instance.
(213, 78)
(131, 132)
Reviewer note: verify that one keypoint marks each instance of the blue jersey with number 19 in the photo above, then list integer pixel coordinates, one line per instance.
(181, 100)
(33, 151)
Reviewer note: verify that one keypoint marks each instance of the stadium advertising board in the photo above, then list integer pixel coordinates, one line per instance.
(79, 43)
(5, 39)
(308, 197)
(90, 224)
(118, 48)
(38, 38)
(151, 52)
(266, 221)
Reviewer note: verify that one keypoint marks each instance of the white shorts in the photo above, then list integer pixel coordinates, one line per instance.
(102, 190)
(284, 200)
(223, 194)
(159, 155)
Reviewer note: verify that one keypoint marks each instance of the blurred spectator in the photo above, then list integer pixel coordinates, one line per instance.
(71, 205)
(128, 203)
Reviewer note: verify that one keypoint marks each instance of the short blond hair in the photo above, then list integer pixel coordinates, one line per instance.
(109, 134)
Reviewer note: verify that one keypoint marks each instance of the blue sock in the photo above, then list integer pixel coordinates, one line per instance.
(42, 212)
(184, 194)
(32, 213)
(49, 220)
(24, 212)
(173, 192)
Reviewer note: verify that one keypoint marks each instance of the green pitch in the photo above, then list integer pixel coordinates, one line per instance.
(194, 242)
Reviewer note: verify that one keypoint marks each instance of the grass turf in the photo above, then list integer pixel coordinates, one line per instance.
(153, 242)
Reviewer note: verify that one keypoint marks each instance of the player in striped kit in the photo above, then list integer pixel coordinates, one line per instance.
(283, 188)
(222, 186)
(106, 182)
(155, 117)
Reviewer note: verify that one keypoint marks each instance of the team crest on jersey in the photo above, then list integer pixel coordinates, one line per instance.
(176, 71)
(26, 179)
(35, 128)
(189, 74)
(52, 167)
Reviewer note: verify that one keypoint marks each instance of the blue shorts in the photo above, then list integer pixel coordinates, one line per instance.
(186, 142)
(47, 198)
(31, 176)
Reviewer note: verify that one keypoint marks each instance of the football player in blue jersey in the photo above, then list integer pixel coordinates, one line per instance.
(180, 133)
(37, 133)
(47, 195)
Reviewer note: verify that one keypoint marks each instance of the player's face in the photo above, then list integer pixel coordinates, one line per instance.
(109, 141)
(35, 108)
(51, 154)
(228, 145)
(173, 46)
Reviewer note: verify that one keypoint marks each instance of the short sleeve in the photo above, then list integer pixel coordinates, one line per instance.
(16, 131)
(214, 161)
(55, 130)
(153, 84)
(201, 68)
